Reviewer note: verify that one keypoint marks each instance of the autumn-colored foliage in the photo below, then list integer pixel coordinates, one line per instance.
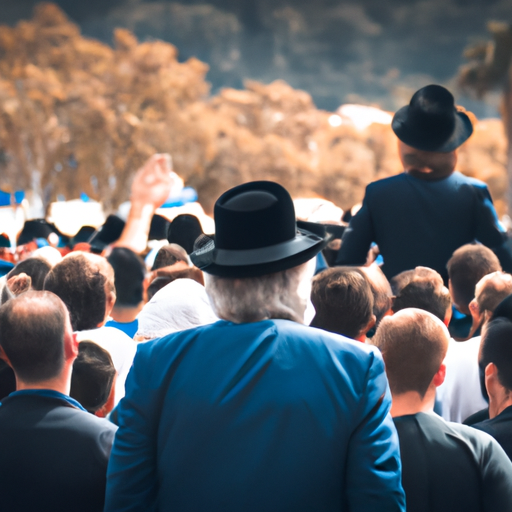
(78, 115)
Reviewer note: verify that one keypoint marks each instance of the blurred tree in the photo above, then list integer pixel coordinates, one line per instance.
(490, 68)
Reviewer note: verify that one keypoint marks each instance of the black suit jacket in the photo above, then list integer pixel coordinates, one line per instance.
(53, 456)
(448, 467)
(500, 428)
(418, 222)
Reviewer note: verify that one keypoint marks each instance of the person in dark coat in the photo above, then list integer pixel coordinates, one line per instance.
(496, 363)
(54, 453)
(446, 467)
(421, 216)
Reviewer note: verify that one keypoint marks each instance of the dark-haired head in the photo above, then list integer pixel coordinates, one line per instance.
(92, 379)
(85, 283)
(343, 302)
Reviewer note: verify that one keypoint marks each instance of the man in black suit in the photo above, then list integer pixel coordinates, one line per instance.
(446, 467)
(54, 454)
(420, 217)
(496, 362)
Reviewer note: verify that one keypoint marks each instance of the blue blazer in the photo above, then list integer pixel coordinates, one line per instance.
(266, 416)
(419, 222)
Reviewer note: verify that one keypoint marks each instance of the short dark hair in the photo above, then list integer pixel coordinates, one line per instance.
(466, 267)
(169, 255)
(496, 347)
(36, 268)
(92, 377)
(343, 301)
(129, 271)
(80, 280)
(381, 290)
(401, 280)
(424, 293)
(413, 344)
(32, 329)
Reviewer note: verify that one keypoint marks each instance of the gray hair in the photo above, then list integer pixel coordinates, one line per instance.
(282, 295)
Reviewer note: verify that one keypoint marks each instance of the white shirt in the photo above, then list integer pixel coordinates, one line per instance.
(121, 349)
(460, 395)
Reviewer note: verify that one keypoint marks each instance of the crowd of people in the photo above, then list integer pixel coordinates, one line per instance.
(240, 372)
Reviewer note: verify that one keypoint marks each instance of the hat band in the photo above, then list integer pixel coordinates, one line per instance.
(304, 240)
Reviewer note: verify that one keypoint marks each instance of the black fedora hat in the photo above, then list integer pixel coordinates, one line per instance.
(431, 121)
(256, 233)
(106, 234)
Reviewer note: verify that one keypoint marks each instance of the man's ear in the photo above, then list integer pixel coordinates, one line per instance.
(439, 376)
(491, 378)
(474, 309)
(109, 404)
(70, 346)
(369, 325)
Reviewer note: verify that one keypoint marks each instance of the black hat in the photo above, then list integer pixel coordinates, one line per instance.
(184, 231)
(84, 233)
(4, 240)
(35, 228)
(256, 234)
(158, 228)
(107, 234)
(431, 122)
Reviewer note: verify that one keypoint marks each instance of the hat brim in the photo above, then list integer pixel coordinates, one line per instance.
(260, 261)
(461, 133)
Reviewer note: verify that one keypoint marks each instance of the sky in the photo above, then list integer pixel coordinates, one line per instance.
(362, 51)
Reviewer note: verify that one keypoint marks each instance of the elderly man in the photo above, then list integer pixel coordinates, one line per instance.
(447, 467)
(54, 453)
(257, 411)
(421, 216)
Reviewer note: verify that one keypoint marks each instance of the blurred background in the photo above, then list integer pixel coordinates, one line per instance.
(238, 90)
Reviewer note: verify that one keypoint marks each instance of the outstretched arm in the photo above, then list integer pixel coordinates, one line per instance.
(150, 188)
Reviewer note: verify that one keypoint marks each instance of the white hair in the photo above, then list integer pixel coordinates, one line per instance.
(282, 295)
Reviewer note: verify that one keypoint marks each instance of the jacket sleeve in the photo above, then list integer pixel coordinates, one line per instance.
(373, 473)
(488, 229)
(131, 474)
(496, 470)
(357, 238)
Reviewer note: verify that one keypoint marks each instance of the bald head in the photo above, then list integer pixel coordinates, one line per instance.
(492, 289)
(413, 343)
(32, 330)
(83, 282)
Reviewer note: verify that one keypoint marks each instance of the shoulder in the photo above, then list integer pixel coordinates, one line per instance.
(459, 178)
(391, 182)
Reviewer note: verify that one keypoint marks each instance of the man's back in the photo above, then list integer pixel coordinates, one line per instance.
(418, 222)
(269, 415)
(500, 427)
(447, 467)
(53, 455)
